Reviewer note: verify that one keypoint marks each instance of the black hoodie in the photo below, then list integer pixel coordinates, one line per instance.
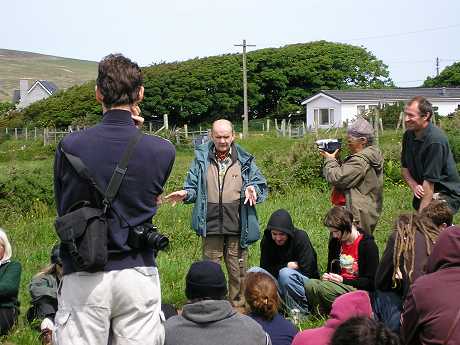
(297, 248)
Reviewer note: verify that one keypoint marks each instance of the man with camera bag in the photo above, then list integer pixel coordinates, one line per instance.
(107, 181)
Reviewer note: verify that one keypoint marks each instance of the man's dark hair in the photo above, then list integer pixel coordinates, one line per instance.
(119, 80)
(424, 106)
(340, 219)
(363, 331)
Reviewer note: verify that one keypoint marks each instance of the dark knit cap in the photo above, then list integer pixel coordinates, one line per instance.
(205, 279)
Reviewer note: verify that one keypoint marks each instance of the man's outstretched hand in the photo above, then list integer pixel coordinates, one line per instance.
(251, 195)
(176, 197)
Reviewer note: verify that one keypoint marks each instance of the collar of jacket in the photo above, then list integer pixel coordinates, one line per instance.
(203, 150)
(117, 117)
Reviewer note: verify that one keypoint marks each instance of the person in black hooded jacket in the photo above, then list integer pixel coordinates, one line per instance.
(288, 255)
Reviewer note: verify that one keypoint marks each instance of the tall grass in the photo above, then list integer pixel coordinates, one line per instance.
(32, 233)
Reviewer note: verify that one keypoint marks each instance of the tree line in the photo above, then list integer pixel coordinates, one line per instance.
(203, 89)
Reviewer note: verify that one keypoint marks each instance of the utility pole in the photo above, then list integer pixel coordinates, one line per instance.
(245, 89)
(437, 67)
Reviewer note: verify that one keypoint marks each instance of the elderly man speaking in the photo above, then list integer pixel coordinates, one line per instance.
(225, 184)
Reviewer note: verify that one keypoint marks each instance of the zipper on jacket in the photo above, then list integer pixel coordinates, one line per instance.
(221, 190)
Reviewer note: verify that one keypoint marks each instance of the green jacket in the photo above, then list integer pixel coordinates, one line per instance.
(196, 187)
(360, 177)
(10, 277)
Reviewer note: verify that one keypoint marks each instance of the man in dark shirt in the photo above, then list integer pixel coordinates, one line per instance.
(428, 166)
(125, 297)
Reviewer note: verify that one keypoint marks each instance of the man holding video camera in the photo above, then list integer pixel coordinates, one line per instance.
(358, 180)
(123, 296)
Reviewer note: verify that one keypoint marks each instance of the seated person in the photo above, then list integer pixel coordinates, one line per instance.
(352, 261)
(352, 304)
(412, 240)
(287, 254)
(208, 317)
(363, 331)
(43, 292)
(262, 298)
(440, 213)
(10, 277)
(432, 308)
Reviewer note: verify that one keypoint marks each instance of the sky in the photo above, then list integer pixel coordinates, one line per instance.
(407, 35)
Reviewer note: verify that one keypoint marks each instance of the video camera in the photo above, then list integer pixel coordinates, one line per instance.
(329, 145)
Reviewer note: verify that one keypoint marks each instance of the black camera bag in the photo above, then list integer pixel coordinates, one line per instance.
(83, 229)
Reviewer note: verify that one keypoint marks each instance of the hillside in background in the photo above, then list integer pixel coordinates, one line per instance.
(64, 72)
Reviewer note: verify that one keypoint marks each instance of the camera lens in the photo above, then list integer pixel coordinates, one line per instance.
(157, 241)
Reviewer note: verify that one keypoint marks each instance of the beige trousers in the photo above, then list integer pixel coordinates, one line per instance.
(125, 303)
(216, 247)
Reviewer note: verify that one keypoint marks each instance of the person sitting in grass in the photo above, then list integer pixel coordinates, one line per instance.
(288, 256)
(10, 277)
(352, 304)
(208, 318)
(363, 331)
(407, 249)
(262, 297)
(43, 292)
(352, 261)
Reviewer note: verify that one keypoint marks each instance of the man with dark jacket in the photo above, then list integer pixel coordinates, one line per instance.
(125, 296)
(208, 318)
(288, 255)
(432, 309)
(225, 184)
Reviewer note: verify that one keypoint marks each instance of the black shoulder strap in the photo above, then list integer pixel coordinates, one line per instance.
(117, 176)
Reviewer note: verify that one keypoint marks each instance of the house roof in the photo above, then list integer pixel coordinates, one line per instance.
(395, 94)
(49, 86)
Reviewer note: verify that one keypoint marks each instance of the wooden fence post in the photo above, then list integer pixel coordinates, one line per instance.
(27, 136)
(165, 121)
(186, 131)
(45, 134)
(35, 133)
(150, 127)
(268, 125)
(16, 133)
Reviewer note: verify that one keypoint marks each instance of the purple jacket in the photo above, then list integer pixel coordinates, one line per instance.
(432, 303)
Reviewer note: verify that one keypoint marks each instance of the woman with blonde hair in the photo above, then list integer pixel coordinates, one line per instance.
(10, 277)
(263, 300)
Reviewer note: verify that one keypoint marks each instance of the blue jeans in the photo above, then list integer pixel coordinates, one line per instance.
(387, 308)
(291, 287)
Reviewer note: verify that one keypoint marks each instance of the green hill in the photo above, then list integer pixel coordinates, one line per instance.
(64, 72)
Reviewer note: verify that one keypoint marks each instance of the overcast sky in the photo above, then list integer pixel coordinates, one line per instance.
(407, 35)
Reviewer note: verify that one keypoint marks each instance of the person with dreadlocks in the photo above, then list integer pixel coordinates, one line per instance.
(403, 261)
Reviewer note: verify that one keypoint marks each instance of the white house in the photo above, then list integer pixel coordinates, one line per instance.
(331, 108)
(39, 90)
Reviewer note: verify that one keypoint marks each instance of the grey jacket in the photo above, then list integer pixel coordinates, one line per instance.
(360, 177)
(212, 322)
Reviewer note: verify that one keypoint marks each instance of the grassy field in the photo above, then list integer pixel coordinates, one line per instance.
(32, 234)
(64, 72)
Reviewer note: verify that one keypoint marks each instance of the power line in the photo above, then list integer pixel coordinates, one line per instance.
(406, 33)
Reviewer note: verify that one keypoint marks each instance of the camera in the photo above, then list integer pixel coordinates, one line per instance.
(147, 236)
(329, 145)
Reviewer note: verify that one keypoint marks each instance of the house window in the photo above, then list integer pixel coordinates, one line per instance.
(360, 109)
(372, 107)
(324, 116)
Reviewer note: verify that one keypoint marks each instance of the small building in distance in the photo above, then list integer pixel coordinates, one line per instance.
(40, 89)
(332, 108)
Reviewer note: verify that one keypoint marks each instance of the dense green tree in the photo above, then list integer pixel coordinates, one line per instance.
(200, 90)
(449, 77)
